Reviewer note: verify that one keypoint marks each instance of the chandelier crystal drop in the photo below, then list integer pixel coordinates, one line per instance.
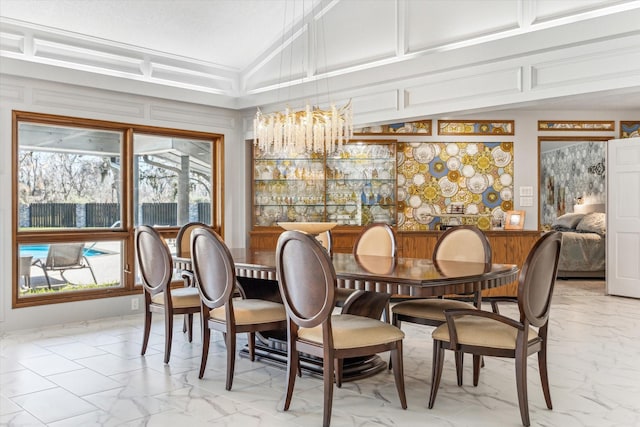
(311, 129)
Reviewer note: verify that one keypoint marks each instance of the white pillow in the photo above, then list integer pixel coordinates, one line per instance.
(567, 221)
(594, 222)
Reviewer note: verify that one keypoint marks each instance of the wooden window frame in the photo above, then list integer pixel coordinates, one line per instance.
(125, 233)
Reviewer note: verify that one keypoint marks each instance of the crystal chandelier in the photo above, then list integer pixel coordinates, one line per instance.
(311, 129)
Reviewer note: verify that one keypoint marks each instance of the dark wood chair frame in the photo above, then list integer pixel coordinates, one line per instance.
(535, 291)
(307, 282)
(343, 293)
(156, 273)
(398, 318)
(185, 233)
(215, 276)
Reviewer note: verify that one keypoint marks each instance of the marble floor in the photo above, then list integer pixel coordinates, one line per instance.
(91, 373)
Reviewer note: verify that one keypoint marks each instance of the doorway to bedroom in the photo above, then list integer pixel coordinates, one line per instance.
(572, 200)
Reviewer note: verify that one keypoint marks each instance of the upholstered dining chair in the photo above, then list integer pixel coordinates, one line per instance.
(162, 294)
(461, 243)
(307, 282)
(326, 239)
(215, 276)
(183, 250)
(490, 334)
(377, 239)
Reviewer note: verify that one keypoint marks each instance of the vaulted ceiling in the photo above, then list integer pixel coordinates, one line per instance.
(243, 53)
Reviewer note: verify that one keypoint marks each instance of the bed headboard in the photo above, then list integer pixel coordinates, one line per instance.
(585, 209)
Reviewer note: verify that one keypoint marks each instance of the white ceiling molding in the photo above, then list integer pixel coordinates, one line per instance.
(419, 54)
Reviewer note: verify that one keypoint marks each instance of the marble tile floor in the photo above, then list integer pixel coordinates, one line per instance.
(91, 374)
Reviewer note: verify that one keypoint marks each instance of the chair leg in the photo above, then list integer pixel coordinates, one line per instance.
(206, 336)
(168, 335)
(327, 374)
(477, 362)
(147, 330)
(521, 385)
(293, 367)
(395, 322)
(252, 346)
(184, 324)
(339, 363)
(398, 374)
(189, 318)
(544, 376)
(436, 370)
(231, 358)
(459, 358)
(46, 276)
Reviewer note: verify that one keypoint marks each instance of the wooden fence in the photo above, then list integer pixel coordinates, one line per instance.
(99, 215)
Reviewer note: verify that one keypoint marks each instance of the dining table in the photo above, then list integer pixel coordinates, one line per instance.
(374, 280)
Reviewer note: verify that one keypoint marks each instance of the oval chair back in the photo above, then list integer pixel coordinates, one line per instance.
(537, 279)
(213, 267)
(463, 243)
(326, 240)
(376, 239)
(154, 260)
(307, 278)
(183, 239)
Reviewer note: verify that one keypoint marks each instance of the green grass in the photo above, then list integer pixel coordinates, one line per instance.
(68, 288)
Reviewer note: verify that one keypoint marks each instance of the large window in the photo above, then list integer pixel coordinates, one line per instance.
(81, 186)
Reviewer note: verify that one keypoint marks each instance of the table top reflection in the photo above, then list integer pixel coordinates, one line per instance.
(415, 273)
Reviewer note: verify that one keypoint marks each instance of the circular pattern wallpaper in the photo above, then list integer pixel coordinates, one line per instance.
(443, 183)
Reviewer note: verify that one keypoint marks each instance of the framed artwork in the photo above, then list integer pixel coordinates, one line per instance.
(422, 128)
(476, 127)
(585, 125)
(629, 129)
(550, 190)
(514, 220)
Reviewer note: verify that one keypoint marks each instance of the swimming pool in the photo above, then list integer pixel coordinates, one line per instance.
(40, 251)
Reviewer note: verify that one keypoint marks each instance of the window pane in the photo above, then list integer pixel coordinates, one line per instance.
(172, 180)
(68, 177)
(69, 266)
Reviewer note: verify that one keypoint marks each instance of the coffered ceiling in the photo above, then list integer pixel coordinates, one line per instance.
(243, 53)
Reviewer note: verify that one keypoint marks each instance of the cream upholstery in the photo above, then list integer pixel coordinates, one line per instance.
(376, 241)
(482, 332)
(429, 308)
(351, 331)
(180, 297)
(252, 311)
(463, 245)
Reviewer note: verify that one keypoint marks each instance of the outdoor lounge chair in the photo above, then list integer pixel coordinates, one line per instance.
(62, 257)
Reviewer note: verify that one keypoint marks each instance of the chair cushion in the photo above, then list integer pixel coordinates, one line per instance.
(180, 297)
(351, 331)
(481, 331)
(252, 311)
(432, 309)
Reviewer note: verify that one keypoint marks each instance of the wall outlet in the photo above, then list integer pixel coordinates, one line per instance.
(135, 304)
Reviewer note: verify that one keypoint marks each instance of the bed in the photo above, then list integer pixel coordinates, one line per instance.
(583, 252)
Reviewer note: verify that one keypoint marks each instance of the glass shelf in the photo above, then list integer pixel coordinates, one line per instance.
(356, 186)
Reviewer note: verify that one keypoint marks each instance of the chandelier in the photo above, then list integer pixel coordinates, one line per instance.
(311, 129)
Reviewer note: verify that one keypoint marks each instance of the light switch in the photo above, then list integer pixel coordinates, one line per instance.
(526, 191)
(526, 201)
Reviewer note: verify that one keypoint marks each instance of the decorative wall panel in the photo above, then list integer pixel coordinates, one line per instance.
(409, 128)
(571, 172)
(630, 129)
(447, 183)
(477, 127)
(590, 125)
